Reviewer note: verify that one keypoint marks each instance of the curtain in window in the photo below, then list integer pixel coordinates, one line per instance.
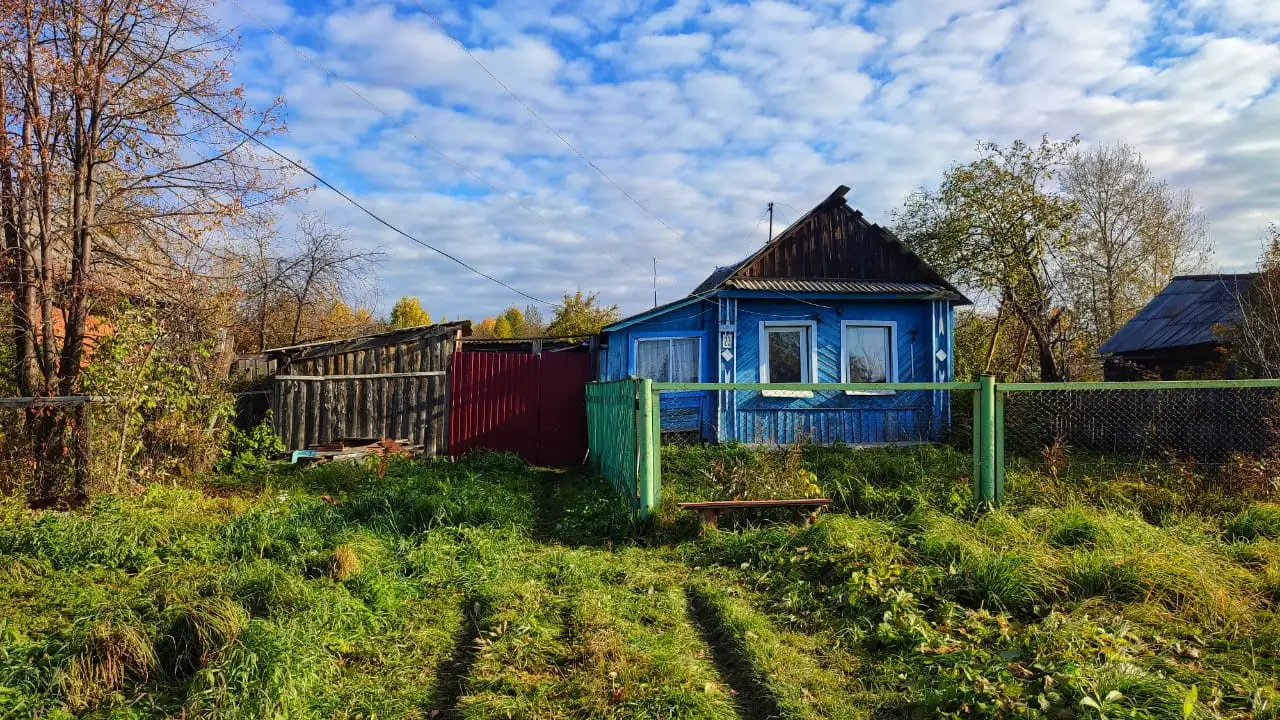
(668, 359)
(653, 359)
(684, 360)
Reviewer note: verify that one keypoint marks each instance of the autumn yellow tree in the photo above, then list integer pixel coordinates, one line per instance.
(484, 328)
(408, 312)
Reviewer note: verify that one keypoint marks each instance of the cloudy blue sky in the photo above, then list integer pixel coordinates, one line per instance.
(705, 110)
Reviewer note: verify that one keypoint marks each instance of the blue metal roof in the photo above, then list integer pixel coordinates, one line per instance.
(1185, 313)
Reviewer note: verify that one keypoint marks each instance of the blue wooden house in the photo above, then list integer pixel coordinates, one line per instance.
(833, 298)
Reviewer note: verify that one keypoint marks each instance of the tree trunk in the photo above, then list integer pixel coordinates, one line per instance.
(262, 322)
(1048, 365)
(995, 339)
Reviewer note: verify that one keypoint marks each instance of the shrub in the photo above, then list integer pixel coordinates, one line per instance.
(252, 452)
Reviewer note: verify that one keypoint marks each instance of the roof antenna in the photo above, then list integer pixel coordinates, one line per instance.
(655, 281)
(770, 222)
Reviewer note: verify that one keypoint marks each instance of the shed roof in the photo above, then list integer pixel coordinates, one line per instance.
(391, 337)
(1184, 314)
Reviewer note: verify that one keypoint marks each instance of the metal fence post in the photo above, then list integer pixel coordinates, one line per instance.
(986, 490)
(644, 446)
(976, 433)
(999, 445)
(655, 450)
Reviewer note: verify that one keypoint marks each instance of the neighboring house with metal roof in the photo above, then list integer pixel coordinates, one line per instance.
(833, 298)
(1180, 332)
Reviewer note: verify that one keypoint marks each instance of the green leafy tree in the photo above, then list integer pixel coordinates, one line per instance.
(408, 312)
(162, 423)
(999, 224)
(581, 315)
(502, 328)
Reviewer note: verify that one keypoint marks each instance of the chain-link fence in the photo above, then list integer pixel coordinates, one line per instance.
(1101, 432)
(1118, 431)
(60, 450)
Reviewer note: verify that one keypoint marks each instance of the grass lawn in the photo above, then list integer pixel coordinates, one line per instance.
(487, 589)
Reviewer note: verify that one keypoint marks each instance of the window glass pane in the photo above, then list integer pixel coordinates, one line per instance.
(684, 360)
(653, 359)
(786, 348)
(868, 352)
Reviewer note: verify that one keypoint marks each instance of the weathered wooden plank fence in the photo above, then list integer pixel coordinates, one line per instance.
(391, 384)
(320, 409)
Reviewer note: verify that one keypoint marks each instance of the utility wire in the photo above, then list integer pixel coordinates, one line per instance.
(409, 131)
(401, 124)
(553, 131)
(315, 176)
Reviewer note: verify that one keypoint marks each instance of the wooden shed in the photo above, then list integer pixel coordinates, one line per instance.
(1181, 333)
(389, 385)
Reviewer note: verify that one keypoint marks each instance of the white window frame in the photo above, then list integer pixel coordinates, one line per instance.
(635, 350)
(893, 353)
(808, 371)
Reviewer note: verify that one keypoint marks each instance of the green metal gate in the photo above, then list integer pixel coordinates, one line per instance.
(622, 440)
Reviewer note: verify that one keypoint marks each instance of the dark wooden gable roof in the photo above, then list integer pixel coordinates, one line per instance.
(833, 242)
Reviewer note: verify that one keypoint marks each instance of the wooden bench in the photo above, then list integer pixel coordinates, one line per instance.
(710, 511)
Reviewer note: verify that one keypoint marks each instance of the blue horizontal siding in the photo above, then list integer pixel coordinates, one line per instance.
(827, 417)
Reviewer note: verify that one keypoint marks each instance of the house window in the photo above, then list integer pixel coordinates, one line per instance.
(867, 353)
(674, 360)
(786, 356)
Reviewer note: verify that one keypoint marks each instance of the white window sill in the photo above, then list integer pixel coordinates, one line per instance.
(871, 393)
(786, 393)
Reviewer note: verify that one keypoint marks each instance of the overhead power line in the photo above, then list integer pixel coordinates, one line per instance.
(403, 125)
(591, 163)
(430, 145)
(315, 176)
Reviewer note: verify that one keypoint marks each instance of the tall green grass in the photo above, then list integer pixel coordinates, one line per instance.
(345, 592)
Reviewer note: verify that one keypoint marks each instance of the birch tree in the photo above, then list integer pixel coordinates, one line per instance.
(1255, 338)
(1132, 234)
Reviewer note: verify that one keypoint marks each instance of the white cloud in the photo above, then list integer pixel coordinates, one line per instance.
(704, 110)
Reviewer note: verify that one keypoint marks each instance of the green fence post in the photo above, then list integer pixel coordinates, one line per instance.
(976, 431)
(644, 443)
(999, 451)
(655, 450)
(987, 454)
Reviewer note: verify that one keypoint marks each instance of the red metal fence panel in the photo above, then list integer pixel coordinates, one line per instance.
(562, 408)
(531, 405)
(493, 403)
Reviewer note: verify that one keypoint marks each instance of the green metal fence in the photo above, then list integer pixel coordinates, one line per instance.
(621, 439)
(1124, 425)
